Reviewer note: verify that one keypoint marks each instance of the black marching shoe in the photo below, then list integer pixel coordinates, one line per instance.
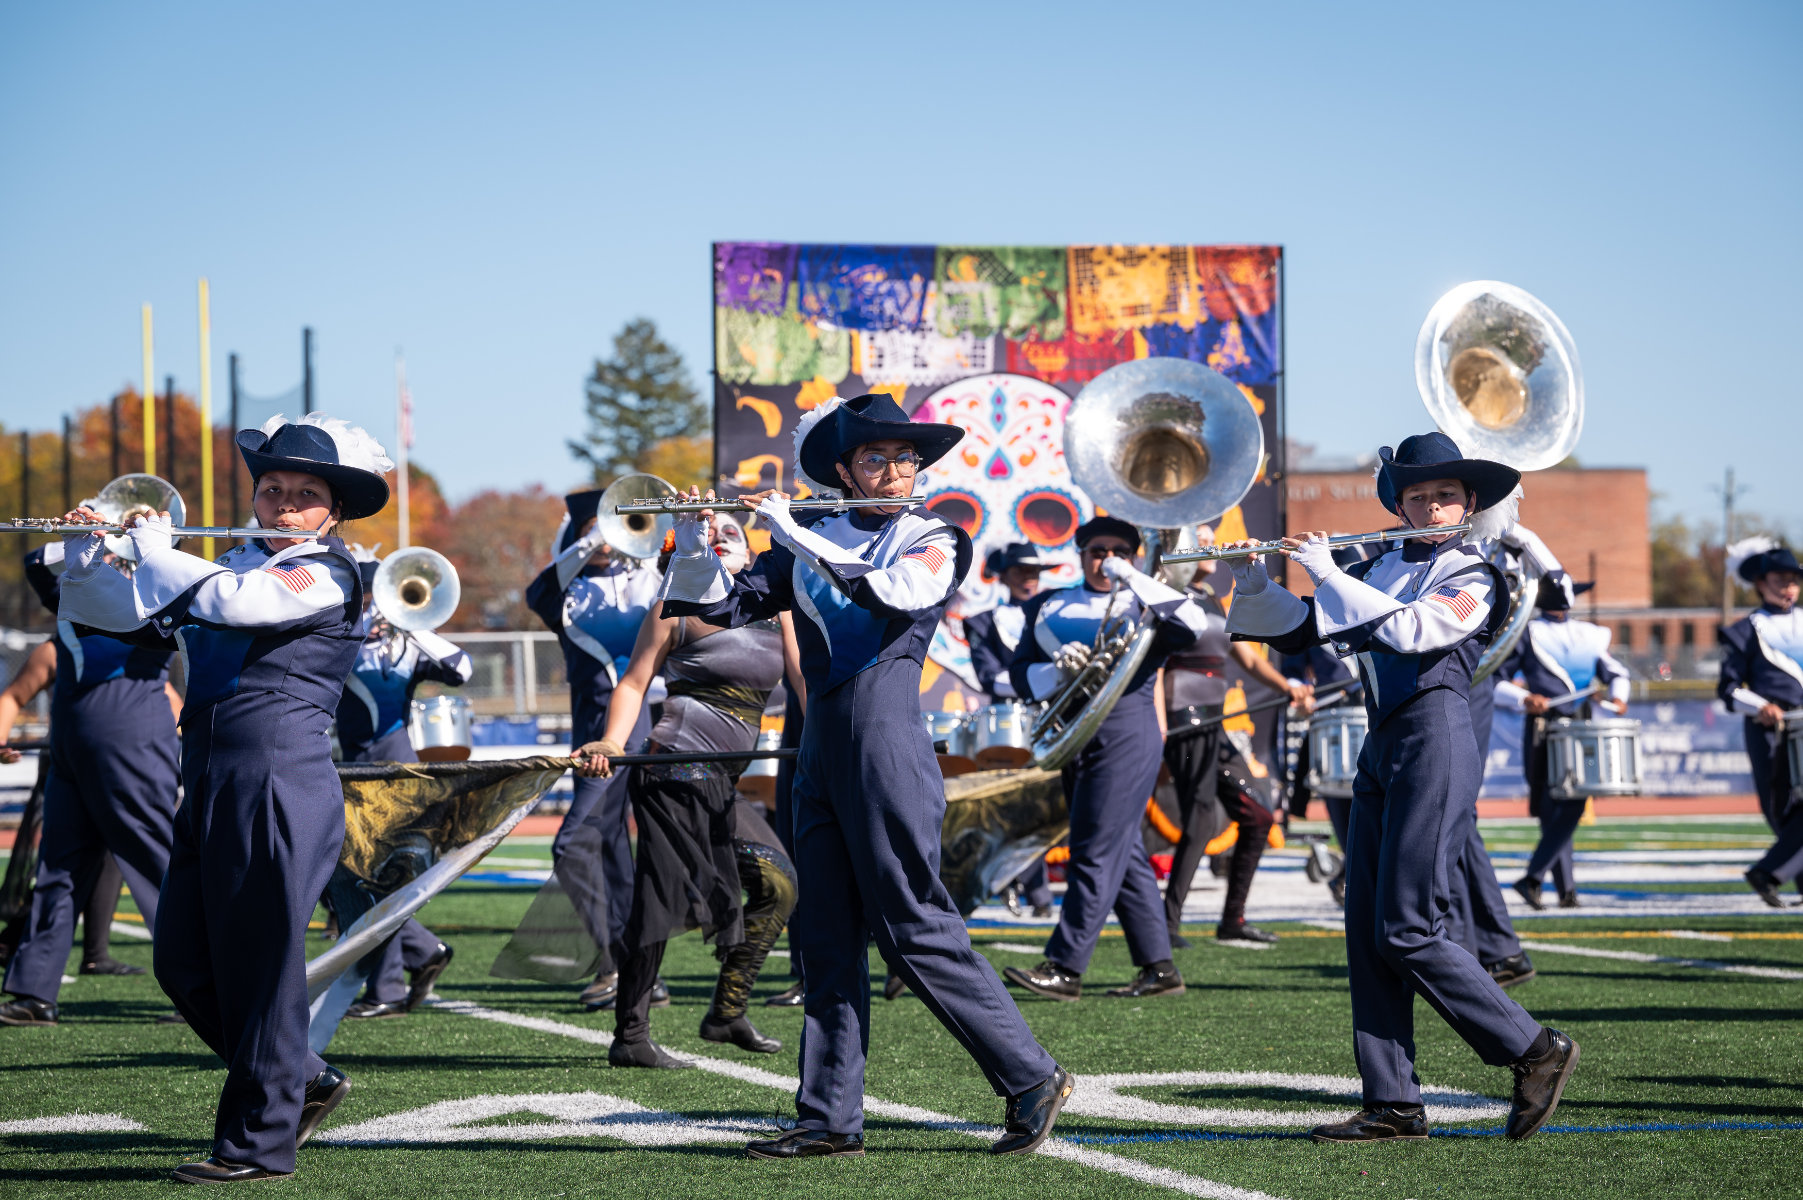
(108, 965)
(1569, 899)
(1032, 1114)
(26, 1011)
(1517, 968)
(1179, 942)
(789, 997)
(369, 1010)
(660, 993)
(1530, 891)
(809, 1143)
(1048, 979)
(644, 1054)
(1766, 885)
(1244, 934)
(1377, 1123)
(600, 994)
(1155, 979)
(1042, 912)
(218, 1170)
(737, 1031)
(1539, 1082)
(893, 987)
(326, 1092)
(420, 985)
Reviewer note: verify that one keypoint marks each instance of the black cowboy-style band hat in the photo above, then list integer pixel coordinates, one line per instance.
(1016, 554)
(1779, 558)
(1097, 527)
(1557, 591)
(583, 507)
(309, 448)
(1428, 456)
(871, 418)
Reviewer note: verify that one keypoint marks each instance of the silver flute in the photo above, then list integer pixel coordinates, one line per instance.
(807, 505)
(56, 525)
(1215, 554)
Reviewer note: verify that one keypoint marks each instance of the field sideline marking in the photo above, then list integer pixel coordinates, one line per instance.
(1114, 1164)
(1198, 1135)
(1635, 956)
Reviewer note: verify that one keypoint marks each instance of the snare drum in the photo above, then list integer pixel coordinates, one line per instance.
(952, 728)
(1592, 758)
(1335, 737)
(758, 783)
(440, 729)
(1002, 734)
(1793, 749)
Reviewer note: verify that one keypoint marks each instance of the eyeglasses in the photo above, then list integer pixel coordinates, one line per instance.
(905, 463)
(1100, 552)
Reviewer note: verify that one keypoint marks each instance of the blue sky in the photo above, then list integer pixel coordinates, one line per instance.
(497, 188)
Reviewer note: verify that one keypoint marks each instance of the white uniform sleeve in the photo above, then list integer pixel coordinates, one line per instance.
(1165, 601)
(1611, 671)
(1268, 612)
(94, 592)
(920, 579)
(444, 652)
(569, 564)
(53, 558)
(1044, 679)
(1511, 695)
(1747, 701)
(1535, 554)
(1456, 608)
(288, 593)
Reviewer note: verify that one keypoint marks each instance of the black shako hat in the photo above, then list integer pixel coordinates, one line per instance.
(583, 508)
(1557, 591)
(1015, 554)
(300, 447)
(872, 418)
(1757, 566)
(1427, 456)
(1097, 527)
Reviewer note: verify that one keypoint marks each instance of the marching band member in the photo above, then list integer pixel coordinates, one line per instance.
(1195, 690)
(595, 601)
(1320, 667)
(698, 843)
(1418, 617)
(112, 789)
(1111, 777)
(373, 719)
(993, 635)
(269, 634)
(868, 797)
(1762, 678)
(1556, 657)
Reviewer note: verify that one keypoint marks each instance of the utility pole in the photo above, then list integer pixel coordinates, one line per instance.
(169, 427)
(118, 450)
(25, 508)
(1728, 493)
(68, 466)
(306, 370)
(231, 369)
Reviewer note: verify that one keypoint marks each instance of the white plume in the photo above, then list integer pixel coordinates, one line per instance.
(808, 420)
(1494, 522)
(356, 448)
(1744, 549)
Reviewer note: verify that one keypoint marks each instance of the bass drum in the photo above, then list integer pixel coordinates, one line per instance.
(1335, 738)
(758, 783)
(1592, 758)
(1002, 735)
(440, 729)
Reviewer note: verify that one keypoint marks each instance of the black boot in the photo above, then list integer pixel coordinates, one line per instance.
(108, 965)
(1530, 891)
(789, 997)
(643, 1054)
(1241, 934)
(600, 994)
(770, 891)
(1766, 885)
(420, 984)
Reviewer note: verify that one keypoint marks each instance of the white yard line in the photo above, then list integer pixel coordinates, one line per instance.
(1177, 1181)
(1011, 947)
(1636, 956)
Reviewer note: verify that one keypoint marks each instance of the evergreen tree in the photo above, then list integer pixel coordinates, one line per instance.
(638, 398)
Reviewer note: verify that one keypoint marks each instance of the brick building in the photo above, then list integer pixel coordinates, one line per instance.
(1580, 512)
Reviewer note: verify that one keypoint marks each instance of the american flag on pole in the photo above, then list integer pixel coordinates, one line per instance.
(405, 417)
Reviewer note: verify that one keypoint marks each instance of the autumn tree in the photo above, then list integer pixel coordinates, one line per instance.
(498, 541)
(637, 401)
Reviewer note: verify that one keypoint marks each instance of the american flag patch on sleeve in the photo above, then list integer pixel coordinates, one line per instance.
(931, 556)
(295, 579)
(1457, 599)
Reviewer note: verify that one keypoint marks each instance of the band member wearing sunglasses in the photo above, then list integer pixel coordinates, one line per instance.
(1112, 776)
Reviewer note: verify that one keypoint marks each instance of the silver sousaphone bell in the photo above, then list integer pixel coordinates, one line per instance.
(637, 535)
(416, 589)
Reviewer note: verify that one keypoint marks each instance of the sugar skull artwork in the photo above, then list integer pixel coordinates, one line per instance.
(1006, 481)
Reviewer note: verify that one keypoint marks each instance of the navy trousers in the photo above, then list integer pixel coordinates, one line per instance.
(408, 950)
(603, 805)
(868, 806)
(1417, 779)
(1771, 777)
(256, 839)
(1108, 786)
(1558, 818)
(110, 789)
(1478, 918)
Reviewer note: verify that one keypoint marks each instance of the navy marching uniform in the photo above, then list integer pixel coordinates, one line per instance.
(1418, 617)
(111, 788)
(1556, 656)
(869, 589)
(373, 720)
(1762, 664)
(267, 639)
(595, 610)
(1112, 776)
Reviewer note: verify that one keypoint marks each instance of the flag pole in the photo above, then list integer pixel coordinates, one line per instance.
(206, 417)
(150, 402)
(403, 428)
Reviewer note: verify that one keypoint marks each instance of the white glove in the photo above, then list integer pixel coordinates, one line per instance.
(1316, 557)
(775, 511)
(1118, 569)
(1071, 659)
(81, 554)
(150, 534)
(1249, 575)
(691, 536)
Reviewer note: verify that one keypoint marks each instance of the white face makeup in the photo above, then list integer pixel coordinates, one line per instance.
(728, 541)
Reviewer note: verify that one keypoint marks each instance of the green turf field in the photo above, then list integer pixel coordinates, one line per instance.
(1691, 1082)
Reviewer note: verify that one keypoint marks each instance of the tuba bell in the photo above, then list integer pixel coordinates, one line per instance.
(416, 589)
(131, 496)
(1499, 374)
(1166, 444)
(638, 535)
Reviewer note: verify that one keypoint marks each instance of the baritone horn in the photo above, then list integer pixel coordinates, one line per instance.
(416, 589)
(1166, 444)
(635, 533)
